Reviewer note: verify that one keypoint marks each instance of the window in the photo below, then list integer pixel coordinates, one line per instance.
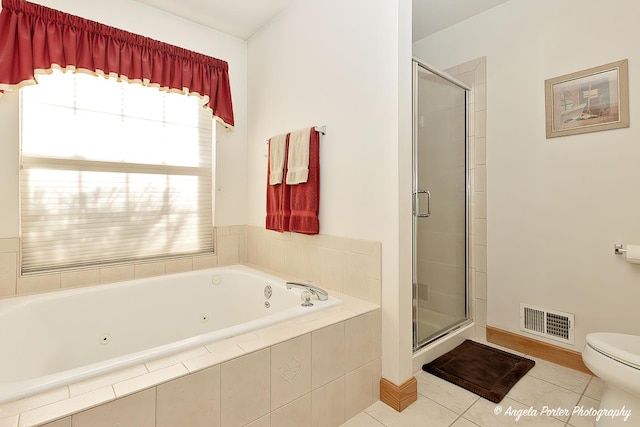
(112, 172)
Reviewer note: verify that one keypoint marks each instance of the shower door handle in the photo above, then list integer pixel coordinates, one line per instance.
(416, 204)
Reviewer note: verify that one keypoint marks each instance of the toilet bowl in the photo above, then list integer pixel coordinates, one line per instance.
(615, 358)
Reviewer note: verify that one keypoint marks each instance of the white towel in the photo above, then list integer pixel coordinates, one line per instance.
(298, 160)
(277, 147)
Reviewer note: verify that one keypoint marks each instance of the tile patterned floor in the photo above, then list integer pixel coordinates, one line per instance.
(442, 404)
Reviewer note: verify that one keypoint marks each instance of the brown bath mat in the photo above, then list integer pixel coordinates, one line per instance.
(483, 370)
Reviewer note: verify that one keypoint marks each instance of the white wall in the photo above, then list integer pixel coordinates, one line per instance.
(555, 206)
(338, 64)
(135, 17)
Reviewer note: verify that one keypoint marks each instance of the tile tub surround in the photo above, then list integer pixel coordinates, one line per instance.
(230, 249)
(349, 266)
(316, 370)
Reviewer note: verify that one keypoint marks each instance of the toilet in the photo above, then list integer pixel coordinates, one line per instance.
(615, 358)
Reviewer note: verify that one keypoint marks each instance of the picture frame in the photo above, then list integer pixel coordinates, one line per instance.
(590, 100)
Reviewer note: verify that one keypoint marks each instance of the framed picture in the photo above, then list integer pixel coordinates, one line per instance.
(588, 101)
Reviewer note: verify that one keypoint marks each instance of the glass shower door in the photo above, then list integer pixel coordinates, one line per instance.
(440, 203)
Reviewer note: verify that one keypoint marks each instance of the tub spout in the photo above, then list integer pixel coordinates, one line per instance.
(320, 293)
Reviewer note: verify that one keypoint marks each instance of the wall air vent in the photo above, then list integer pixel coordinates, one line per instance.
(547, 323)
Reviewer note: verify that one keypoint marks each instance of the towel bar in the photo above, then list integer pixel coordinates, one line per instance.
(322, 129)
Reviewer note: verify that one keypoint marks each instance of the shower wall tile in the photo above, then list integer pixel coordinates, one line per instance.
(480, 151)
(467, 77)
(469, 66)
(481, 73)
(480, 231)
(480, 258)
(481, 285)
(479, 97)
(480, 198)
(474, 73)
(481, 312)
(471, 153)
(480, 178)
(480, 124)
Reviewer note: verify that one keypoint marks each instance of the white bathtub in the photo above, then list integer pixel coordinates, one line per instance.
(53, 339)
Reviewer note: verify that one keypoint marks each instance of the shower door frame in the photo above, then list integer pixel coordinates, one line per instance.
(417, 345)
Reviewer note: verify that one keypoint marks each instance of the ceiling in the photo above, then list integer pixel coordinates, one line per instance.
(242, 18)
(431, 16)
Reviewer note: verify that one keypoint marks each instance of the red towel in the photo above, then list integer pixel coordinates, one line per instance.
(305, 197)
(278, 200)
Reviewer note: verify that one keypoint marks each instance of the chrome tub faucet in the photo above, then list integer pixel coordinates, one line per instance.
(318, 292)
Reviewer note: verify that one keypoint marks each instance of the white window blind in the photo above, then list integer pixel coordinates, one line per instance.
(112, 172)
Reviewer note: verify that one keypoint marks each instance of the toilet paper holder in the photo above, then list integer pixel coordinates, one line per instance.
(618, 249)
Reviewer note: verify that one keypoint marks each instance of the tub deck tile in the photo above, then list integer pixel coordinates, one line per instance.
(105, 380)
(339, 316)
(151, 379)
(174, 359)
(11, 421)
(31, 402)
(220, 352)
(66, 407)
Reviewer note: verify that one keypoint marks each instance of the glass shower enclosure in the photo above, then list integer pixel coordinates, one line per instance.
(440, 205)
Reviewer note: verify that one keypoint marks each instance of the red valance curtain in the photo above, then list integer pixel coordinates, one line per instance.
(34, 39)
